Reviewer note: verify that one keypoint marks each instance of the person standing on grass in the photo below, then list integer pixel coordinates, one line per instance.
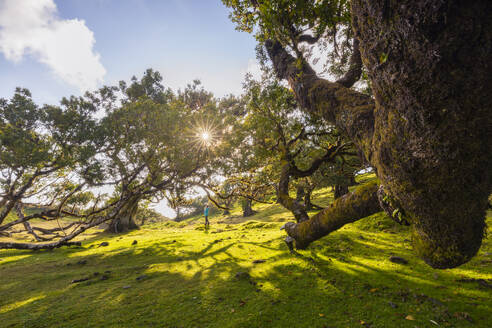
(205, 212)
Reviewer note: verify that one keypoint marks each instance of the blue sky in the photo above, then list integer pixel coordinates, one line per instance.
(47, 45)
(59, 48)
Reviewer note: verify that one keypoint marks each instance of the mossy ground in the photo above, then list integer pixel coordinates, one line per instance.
(187, 279)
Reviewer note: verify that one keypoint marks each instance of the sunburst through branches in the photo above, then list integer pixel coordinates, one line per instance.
(205, 135)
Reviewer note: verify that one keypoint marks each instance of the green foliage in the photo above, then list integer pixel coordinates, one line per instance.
(43, 150)
(271, 131)
(301, 26)
(141, 138)
(284, 19)
(153, 148)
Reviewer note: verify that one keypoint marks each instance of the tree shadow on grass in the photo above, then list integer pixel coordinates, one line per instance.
(342, 281)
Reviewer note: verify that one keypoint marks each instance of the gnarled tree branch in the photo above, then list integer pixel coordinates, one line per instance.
(346, 209)
(355, 67)
(285, 200)
(352, 112)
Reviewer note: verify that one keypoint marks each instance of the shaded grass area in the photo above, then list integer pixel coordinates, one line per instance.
(179, 275)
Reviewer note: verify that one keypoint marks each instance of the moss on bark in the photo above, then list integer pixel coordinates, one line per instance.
(125, 220)
(432, 144)
(346, 209)
(428, 131)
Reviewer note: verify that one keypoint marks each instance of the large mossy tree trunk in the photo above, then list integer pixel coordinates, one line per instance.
(432, 143)
(247, 209)
(125, 220)
(339, 190)
(428, 130)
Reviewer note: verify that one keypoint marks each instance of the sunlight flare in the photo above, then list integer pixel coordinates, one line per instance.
(205, 135)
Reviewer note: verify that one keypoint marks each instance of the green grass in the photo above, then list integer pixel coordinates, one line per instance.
(343, 280)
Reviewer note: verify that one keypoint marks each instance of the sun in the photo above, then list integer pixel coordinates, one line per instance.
(205, 136)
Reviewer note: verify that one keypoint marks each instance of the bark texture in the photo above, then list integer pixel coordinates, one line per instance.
(125, 220)
(351, 111)
(346, 209)
(428, 133)
(247, 209)
(430, 67)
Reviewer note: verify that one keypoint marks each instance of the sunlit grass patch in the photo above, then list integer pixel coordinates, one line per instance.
(13, 258)
(177, 276)
(16, 305)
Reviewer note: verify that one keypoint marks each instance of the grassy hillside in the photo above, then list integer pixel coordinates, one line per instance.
(179, 275)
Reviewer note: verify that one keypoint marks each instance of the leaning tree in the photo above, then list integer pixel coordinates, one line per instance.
(48, 165)
(426, 127)
(55, 159)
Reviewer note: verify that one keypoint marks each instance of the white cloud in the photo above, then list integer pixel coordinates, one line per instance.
(254, 69)
(66, 46)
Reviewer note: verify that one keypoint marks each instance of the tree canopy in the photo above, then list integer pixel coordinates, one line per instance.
(147, 143)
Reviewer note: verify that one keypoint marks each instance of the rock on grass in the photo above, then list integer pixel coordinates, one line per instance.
(142, 277)
(79, 280)
(398, 259)
(242, 276)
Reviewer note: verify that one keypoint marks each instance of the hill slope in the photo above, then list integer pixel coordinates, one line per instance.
(178, 275)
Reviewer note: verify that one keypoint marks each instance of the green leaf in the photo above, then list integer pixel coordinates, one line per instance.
(383, 58)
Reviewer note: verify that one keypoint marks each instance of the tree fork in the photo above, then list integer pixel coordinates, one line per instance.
(352, 112)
